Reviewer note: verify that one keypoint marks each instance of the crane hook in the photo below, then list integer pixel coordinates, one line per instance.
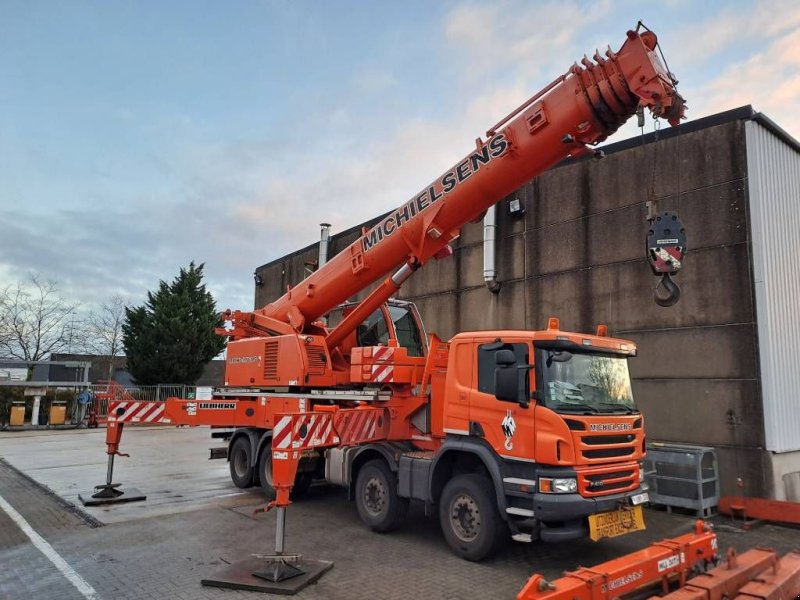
(673, 291)
(665, 248)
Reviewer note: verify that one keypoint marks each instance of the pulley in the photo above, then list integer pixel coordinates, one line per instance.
(666, 245)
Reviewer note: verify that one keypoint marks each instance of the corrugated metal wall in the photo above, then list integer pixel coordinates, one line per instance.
(773, 170)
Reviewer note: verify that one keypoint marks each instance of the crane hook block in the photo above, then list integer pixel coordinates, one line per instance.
(666, 245)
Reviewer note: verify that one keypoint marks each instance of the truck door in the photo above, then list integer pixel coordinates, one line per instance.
(507, 426)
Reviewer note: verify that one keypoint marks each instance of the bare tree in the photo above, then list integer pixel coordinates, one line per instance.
(103, 330)
(35, 320)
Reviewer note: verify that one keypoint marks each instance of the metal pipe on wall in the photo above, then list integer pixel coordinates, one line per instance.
(489, 248)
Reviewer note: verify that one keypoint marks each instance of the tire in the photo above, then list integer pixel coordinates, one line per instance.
(469, 518)
(379, 506)
(302, 481)
(240, 462)
(265, 470)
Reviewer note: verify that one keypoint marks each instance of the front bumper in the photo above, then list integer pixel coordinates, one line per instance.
(563, 516)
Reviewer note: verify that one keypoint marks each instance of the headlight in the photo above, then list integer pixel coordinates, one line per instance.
(558, 485)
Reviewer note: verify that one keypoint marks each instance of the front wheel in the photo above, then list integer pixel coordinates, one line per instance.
(469, 518)
(377, 501)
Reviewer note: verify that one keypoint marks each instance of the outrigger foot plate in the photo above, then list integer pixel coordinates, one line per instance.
(269, 576)
(111, 494)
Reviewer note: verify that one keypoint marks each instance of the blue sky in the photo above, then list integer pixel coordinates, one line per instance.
(135, 137)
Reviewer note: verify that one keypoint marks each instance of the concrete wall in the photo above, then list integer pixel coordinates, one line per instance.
(578, 253)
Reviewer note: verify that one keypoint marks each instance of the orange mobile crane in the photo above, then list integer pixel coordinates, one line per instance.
(528, 433)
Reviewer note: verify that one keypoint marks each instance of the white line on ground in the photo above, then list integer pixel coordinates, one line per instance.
(54, 557)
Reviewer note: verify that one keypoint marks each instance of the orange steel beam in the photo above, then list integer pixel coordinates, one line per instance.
(760, 508)
(781, 583)
(757, 573)
(660, 564)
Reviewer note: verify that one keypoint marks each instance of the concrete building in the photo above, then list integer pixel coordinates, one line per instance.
(722, 367)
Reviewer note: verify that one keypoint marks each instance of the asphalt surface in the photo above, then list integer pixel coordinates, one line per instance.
(166, 556)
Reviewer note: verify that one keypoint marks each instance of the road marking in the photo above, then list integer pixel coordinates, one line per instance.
(54, 557)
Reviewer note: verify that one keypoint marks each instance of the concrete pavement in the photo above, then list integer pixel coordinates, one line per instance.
(199, 522)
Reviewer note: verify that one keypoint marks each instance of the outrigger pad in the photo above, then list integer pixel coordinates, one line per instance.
(110, 495)
(241, 576)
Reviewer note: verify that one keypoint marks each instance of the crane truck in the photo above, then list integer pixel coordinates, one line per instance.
(532, 434)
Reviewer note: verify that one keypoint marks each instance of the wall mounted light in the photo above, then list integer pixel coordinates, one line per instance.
(515, 207)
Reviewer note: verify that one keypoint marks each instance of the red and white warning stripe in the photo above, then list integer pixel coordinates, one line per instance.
(668, 259)
(383, 369)
(315, 430)
(356, 426)
(310, 430)
(137, 412)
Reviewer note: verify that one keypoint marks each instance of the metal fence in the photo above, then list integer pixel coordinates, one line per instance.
(106, 392)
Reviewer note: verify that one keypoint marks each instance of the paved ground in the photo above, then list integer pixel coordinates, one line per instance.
(163, 551)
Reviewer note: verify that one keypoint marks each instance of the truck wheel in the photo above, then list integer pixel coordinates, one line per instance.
(469, 518)
(302, 481)
(240, 462)
(265, 471)
(377, 501)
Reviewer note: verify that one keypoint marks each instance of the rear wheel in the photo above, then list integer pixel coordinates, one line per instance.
(265, 470)
(469, 518)
(302, 481)
(240, 462)
(377, 501)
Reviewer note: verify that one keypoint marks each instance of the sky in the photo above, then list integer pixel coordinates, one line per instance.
(136, 137)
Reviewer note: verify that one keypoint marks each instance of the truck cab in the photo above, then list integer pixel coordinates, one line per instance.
(552, 417)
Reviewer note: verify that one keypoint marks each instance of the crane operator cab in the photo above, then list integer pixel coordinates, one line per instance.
(388, 346)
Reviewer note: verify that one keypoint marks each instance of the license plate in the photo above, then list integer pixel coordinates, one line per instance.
(615, 523)
(640, 499)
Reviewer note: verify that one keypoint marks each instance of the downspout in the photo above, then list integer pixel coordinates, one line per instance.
(489, 243)
(324, 237)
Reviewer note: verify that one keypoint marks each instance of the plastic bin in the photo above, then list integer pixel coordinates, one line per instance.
(58, 413)
(17, 418)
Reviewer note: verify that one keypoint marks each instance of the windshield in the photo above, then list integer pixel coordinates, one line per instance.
(586, 382)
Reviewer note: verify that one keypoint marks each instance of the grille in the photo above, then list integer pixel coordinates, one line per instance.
(595, 440)
(598, 484)
(608, 452)
(598, 447)
(271, 359)
(317, 360)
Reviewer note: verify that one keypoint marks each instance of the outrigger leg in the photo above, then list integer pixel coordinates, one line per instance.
(109, 492)
(281, 572)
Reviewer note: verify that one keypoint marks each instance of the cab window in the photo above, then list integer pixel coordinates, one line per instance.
(373, 331)
(405, 328)
(487, 365)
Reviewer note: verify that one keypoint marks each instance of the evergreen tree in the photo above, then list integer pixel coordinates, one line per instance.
(171, 338)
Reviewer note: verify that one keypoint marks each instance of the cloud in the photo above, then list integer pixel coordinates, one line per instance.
(524, 38)
(769, 80)
(700, 42)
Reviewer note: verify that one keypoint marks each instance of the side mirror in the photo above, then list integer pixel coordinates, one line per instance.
(506, 383)
(511, 380)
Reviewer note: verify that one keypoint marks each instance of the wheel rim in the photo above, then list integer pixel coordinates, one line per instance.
(465, 517)
(374, 496)
(240, 463)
